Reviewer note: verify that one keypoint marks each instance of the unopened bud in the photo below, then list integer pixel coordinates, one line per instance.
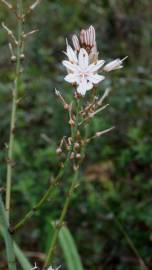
(59, 151)
(71, 122)
(78, 134)
(13, 58)
(76, 145)
(78, 156)
(62, 165)
(22, 56)
(66, 106)
(72, 156)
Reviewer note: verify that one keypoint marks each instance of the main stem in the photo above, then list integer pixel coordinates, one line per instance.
(45, 197)
(67, 201)
(14, 107)
(61, 220)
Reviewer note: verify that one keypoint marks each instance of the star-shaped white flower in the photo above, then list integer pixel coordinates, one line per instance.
(51, 268)
(81, 71)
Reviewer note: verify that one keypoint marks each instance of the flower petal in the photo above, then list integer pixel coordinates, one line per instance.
(89, 86)
(96, 78)
(70, 66)
(82, 87)
(83, 59)
(71, 54)
(72, 78)
(76, 43)
(95, 67)
(92, 35)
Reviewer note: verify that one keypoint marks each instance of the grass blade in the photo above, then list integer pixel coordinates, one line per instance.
(69, 248)
(7, 237)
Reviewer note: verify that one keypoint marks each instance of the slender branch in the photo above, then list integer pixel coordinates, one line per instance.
(50, 254)
(61, 220)
(46, 195)
(14, 107)
(42, 200)
(7, 237)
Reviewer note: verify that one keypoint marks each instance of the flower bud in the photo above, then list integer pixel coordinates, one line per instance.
(66, 106)
(76, 145)
(59, 151)
(72, 156)
(22, 56)
(78, 156)
(71, 122)
(13, 58)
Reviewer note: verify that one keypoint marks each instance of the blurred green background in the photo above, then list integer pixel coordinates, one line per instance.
(114, 197)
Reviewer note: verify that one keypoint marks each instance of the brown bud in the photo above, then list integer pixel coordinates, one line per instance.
(59, 151)
(78, 135)
(72, 156)
(13, 58)
(62, 165)
(78, 156)
(71, 122)
(76, 145)
(66, 106)
(22, 56)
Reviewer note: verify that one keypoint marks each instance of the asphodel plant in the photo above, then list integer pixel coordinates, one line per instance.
(85, 71)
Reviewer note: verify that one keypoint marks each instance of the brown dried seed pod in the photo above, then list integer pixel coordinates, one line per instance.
(71, 122)
(66, 106)
(59, 151)
(78, 156)
(13, 58)
(22, 56)
(76, 145)
(72, 156)
(78, 135)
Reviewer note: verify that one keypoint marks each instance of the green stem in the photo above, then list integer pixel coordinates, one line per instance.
(14, 107)
(7, 237)
(50, 254)
(45, 197)
(61, 221)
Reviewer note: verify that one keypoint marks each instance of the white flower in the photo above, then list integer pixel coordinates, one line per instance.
(81, 71)
(35, 266)
(83, 64)
(115, 64)
(51, 268)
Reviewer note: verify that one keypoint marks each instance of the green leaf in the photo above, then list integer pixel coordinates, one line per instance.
(70, 251)
(7, 237)
(23, 261)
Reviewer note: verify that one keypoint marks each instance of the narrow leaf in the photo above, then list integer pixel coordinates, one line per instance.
(7, 237)
(23, 261)
(70, 251)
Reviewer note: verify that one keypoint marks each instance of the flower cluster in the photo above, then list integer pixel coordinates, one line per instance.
(83, 63)
(50, 267)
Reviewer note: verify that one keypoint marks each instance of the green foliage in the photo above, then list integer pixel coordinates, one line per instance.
(69, 248)
(23, 261)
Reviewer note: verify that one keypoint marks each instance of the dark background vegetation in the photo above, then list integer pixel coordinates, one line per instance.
(114, 198)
